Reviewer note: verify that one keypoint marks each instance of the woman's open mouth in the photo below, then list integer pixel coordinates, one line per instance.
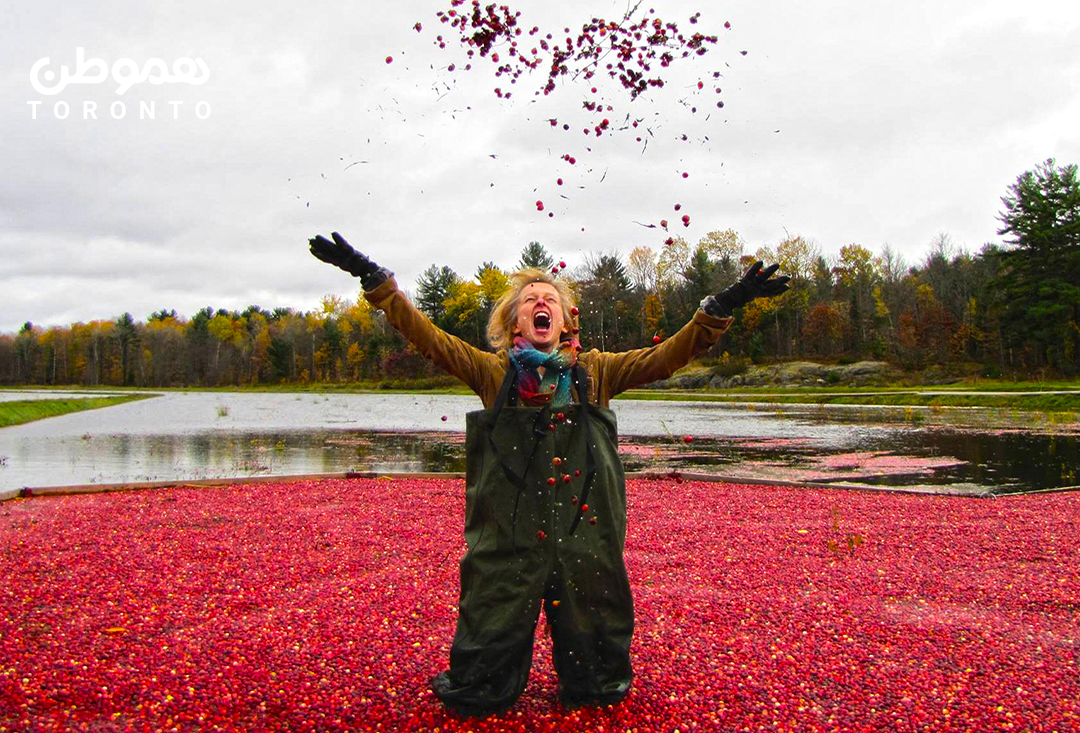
(541, 322)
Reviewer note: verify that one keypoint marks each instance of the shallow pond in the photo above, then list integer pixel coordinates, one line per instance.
(193, 435)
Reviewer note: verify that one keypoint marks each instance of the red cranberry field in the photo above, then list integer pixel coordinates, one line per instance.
(328, 605)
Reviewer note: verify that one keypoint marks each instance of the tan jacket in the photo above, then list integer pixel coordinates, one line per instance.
(609, 374)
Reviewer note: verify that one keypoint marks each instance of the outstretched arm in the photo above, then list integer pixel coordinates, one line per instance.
(620, 372)
(464, 361)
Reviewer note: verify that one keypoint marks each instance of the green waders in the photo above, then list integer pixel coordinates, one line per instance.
(530, 543)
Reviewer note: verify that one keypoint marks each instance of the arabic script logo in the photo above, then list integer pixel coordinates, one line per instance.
(125, 72)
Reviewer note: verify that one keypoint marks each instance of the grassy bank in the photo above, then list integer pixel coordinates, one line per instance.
(23, 411)
(1043, 402)
(428, 385)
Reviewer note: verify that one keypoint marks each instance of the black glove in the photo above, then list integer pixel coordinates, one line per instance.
(341, 254)
(754, 284)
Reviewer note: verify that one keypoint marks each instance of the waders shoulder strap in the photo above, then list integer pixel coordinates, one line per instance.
(508, 393)
(580, 381)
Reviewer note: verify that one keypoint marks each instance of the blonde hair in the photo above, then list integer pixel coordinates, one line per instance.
(500, 326)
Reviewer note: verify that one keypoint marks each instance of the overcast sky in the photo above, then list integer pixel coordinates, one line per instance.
(867, 122)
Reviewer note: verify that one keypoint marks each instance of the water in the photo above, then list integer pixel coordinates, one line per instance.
(195, 435)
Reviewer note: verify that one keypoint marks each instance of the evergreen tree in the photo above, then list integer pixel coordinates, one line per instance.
(433, 287)
(1039, 285)
(534, 255)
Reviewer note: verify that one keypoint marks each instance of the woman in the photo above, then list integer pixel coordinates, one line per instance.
(545, 498)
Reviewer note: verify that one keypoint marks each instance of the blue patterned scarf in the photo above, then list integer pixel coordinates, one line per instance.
(554, 387)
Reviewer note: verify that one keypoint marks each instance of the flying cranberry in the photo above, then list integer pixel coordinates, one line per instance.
(443, 418)
(663, 223)
(686, 220)
(592, 521)
(574, 311)
(577, 473)
(562, 265)
(556, 461)
(418, 27)
(389, 59)
(558, 181)
(656, 339)
(685, 174)
(688, 438)
(551, 481)
(541, 535)
(584, 508)
(539, 205)
(669, 241)
(678, 206)
(566, 478)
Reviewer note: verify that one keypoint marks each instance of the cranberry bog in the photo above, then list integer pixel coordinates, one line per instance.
(328, 605)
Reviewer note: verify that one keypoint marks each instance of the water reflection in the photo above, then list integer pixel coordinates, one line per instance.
(211, 435)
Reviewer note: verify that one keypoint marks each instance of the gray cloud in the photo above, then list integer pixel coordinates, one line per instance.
(895, 122)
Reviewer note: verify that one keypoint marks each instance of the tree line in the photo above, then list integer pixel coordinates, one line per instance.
(1011, 309)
